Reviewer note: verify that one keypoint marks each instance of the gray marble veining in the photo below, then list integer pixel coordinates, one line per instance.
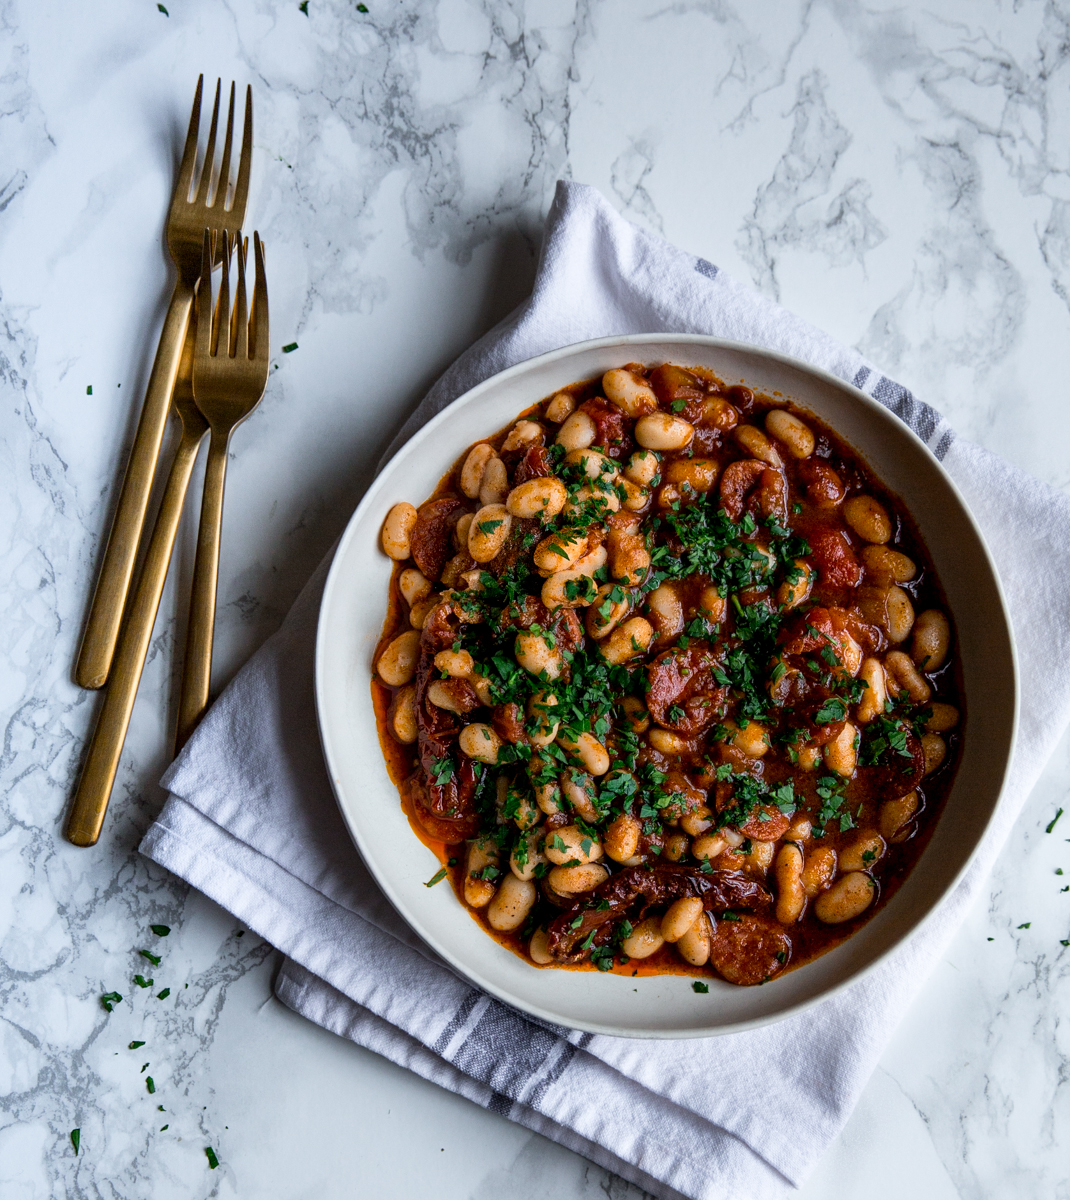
(898, 173)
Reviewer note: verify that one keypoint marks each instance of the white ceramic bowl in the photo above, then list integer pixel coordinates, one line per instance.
(351, 620)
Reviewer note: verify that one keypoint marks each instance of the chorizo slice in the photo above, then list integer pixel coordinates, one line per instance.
(749, 949)
(682, 694)
(765, 824)
(608, 420)
(534, 465)
(737, 482)
(431, 535)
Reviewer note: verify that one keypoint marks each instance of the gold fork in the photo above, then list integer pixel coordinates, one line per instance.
(185, 227)
(98, 774)
(230, 368)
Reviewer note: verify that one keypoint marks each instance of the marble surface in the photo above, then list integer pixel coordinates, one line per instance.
(898, 173)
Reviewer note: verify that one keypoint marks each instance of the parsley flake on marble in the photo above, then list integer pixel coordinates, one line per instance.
(153, 958)
(76, 1140)
(1051, 824)
(164, 994)
(160, 8)
(213, 1162)
(142, 982)
(150, 1085)
(109, 999)
(134, 1045)
(1025, 924)
(701, 988)
(289, 348)
(160, 930)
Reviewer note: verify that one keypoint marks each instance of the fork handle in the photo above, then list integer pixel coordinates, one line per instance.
(197, 668)
(117, 569)
(94, 789)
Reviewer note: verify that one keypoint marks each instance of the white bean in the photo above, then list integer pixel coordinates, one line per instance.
(796, 435)
(540, 707)
(627, 640)
(543, 498)
(403, 716)
(560, 407)
(841, 754)
(397, 663)
(694, 946)
(904, 677)
(474, 466)
(594, 463)
(932, 639)
(569, 845)
(895, 817)
(643, 467)
(666, 612)
(693, 474)
(679, 917)
(510, 907)
(622, 838)
(935, 750)
(561, 550)
(667, 742)
(578, 789)
(863, 853)
(480, 742)
(868, 518)
(413, 586)
(482, 853)
(942, 718)
(635, 396)
(661, 431)
(875, 695)
(489, 531)
(534, 655)
(645, 939)
(791, 895)
(757, 445)
(577, 432)
(848, 898)
(495, 482)
(397, 531)
(885, 566)
(606, 613)
(818, 870)
(523, 433)
(539, 946)
(458, 663)
(589, 750)
(570, 881)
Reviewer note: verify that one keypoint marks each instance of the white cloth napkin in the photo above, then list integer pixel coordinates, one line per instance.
(252, 822)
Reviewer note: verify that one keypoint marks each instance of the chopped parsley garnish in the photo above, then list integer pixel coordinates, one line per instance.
(160, 930)
(150, 1086)
(438, 877)
(1051, 824)
(76, 1140)
(289, 348)
(109, 999)
(142, 982)
(135, 1045)
(701, 988)
(153, 958)
(164, 994)
(213, 1162)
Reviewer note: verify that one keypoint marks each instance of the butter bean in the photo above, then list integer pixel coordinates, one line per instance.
(757, 445)
(420, 611)
(457, 663)
(752, 739)
(413, 586)
(622, 838)
(578, 790)
(629, 393)
(848, 898)
(885, 566)
(570, 844)
(571, 881)
(667, 742)
(397, 663)
(818, 870)
(868, 518)
(635, 714)
(709, 845)
(543, 498)
(863, 854)
(589, 750)
(932, 640)
(593, 463)
(606, 613)
(577, 432)
(627, 641)
(841, 754)
(539, 946)
(480, 742)
(535, 655)
(559, 408)
(474, 466)
(693, 475)
(642, 467)
(645, 939)
(510, 907)
(523, 434)
(904, 677)
(793, 433)
(489, 532)
(561, 550)
(935, 750)
(540, 710)
(660, 431)
(495, 483)
(895, 817)
(790, 594)
(482, 853)
(679, 917)
(694, 946)
(791, 895)
(943, 717)
(875, 695)
(397, 531)
(666, 613)
(403, 716)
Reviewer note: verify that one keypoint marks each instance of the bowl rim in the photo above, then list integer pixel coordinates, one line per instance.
(322, 659)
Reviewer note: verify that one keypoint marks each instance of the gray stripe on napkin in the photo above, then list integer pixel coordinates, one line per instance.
(706, 268)
(925, 421)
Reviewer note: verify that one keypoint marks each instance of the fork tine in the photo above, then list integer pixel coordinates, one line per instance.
(221, 329)
(241, 307)
(204, 299)
(209, 154)
(241, 188)
(261, 342)
(223, 186)
(184, 183)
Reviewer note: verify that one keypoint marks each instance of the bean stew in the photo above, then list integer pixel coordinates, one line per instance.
(667, 680)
